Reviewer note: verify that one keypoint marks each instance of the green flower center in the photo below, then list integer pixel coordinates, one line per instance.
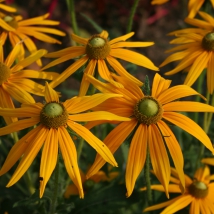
(4, 73)
(11, 21)
(148, 110)
(208, 41)
(198, 189)
(97, 47)
(54, 115)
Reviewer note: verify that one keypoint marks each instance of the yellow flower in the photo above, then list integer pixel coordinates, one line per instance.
(195, 5)
(98, 51)
(53, 119)
(159, 1)
(15, 79)
(100, 176)
(149, 116)
(194, 51)
(7, 8)
(199, 194)
(17, 29)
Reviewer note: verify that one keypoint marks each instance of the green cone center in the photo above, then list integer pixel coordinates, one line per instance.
(11, 21)
(208, 41)
(198, 189)
(148, 110)
(54, 115)
(97, 47)
(4, 73)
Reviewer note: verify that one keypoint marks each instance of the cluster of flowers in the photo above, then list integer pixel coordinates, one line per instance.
(120, 100)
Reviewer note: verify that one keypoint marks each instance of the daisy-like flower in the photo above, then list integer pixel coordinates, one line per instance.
(159, 1)
(195, 5)
(149, 116)
(6, 7)
(194, 51)
(98, 51)
(17, 29)
(199, 193)
(53, 119)
(15, 80)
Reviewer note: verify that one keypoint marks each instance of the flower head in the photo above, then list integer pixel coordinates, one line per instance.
(149, 116)
(98, 51)
(17, 29)
(15, 80)
(53, 119)
(195, 51)
(199, 193)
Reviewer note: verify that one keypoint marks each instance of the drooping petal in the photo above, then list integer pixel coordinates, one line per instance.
(174, 149)
(97, 115)
(93, 141)
(133, 57)
(159, 157)
(79, 39)
(19, 125)
(159, 85)
(121, 71)
(90, 69)
(189, 126)
(81, 104)
(29, 155)
(198, 66)
(69, 155)
(69, 71)
(19, 149)
(49, 158)
(50, 94)
(136, 158)
(113, 140)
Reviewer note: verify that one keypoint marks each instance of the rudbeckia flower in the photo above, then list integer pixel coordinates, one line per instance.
(195, 5)
(53, 119)
(194, 51)
(98, 51)
(17, 29)
(15, 80)
(149, 116)
(6, 7)
(199, 194)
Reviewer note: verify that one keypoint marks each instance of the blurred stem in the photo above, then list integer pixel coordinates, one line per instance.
(79, 148)
(15, 137)
(130, 21)
(55, 191)
(147, 177)
(28, 181)
(71, 9)
(199, 88)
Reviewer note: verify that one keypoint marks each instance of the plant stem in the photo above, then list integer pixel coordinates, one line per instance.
(71, 9)
(79, 148)
(55, 192)
(130, 21)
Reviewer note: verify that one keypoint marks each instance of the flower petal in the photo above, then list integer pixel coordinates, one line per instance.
(131, 44)
(113, 140)
(210, 74)
(159, 157)
(50, 94)
(69, 155)
(194, 207)
(13, 55)
(93, 141)
(189, 126)
(79, 39)
(136, 158)
(121, 38)
(29, 155)
(49, 158)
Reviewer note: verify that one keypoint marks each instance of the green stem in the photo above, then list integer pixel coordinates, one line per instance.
(147, 177)
(130, 21)
(15, 137)
(55, 192)
(28, 181)
(71, 8)
(79, 148)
